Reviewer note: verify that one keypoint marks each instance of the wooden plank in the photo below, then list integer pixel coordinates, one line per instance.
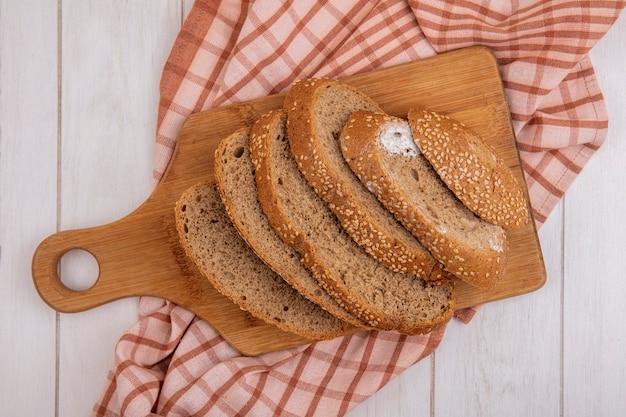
(28, 103)
(594, 345)
(112, 58)
(164, 271)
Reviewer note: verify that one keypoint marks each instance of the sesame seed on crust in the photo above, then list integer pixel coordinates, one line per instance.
(471, 168)
(321, 237)
(308, 131)
(405, 182)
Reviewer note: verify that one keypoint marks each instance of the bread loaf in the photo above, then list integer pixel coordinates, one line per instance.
(317, 110)
(381, 151)
(471, 168)
(212, 243)
(234, 173)
(381, 298)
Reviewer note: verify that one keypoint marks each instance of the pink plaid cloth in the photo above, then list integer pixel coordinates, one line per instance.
(173, 364)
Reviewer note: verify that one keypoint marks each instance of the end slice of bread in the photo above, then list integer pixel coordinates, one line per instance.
(317, 110)
(382, 298)
(381, 151)
(212, 243)
(234, 173)
(471, 168)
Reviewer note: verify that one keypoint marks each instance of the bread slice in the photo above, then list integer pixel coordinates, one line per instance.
(382, 298)
(471, 168)
(212, 243)
(317, 109)
(381, 151)
(234, 173)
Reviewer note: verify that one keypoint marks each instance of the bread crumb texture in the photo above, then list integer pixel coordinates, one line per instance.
(317, 110)
(378, 296)
(212, 243)
(408, 186)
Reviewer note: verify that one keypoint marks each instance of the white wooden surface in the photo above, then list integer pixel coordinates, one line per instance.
(78, 96)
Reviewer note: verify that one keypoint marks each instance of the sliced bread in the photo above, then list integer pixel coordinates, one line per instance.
(471, 168)
(382, 298)
(381, 151)
(234, 173)
(213, 244)
(317, 109)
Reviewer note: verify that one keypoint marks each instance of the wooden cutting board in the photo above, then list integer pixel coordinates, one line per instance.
(140, 253)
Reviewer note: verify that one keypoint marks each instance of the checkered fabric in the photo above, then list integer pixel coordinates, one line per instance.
(171, 363)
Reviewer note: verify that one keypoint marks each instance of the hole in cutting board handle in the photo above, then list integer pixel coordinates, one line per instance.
(78, 269)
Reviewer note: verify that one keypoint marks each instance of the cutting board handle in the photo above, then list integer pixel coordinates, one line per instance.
(118, 264)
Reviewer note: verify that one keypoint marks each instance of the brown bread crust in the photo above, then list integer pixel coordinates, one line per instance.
(317, 109)
(471, 168)
(405, 182)
(234, 174)
(212, 243)
(353, 278)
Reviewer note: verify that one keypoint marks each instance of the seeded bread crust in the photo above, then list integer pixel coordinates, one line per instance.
(380, 150)
(471, 168)
(212, 243)
(381, 298)
(234, 174)
(317, 109)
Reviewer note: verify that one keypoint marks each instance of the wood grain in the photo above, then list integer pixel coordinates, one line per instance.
(140, 253)
(28, 206)
(112, 55)
(511, 346)
(594, 343)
